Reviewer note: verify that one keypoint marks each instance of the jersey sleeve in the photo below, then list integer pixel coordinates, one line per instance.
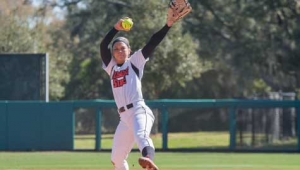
(104, 46)
(155, 39)
(108, 68)
(138, 59)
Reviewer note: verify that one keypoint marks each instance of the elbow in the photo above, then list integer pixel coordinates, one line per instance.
(103, 46)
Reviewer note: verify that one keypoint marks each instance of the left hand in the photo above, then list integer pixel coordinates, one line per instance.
(177, 9)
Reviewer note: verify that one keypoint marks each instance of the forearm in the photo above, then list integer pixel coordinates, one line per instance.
(104, 49)
(154, 41)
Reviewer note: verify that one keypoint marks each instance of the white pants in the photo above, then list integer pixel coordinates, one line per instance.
(134, 127)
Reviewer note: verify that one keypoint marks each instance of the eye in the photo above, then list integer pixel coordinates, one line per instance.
(120, 49)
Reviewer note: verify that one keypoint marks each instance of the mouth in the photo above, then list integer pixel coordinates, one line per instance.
(121, 56)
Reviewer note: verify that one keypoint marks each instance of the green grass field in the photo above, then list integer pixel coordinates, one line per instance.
(182, 140)
(165, 161)
(176, 140)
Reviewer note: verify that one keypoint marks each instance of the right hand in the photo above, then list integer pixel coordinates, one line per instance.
(118, 25)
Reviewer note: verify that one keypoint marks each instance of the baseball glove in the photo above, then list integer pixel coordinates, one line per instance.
(177, 10)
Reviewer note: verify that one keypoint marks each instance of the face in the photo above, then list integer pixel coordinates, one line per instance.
(121, 52)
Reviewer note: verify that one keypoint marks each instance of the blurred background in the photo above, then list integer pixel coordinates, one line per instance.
(224, 49)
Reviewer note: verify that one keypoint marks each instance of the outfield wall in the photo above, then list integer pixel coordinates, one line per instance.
(31, 125)
(36, 126)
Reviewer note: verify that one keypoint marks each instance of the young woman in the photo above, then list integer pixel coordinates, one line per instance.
(136, 118)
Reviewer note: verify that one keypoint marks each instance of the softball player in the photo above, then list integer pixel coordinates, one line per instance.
(136, 118)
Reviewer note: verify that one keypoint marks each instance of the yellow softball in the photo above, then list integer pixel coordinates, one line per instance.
(127, 24)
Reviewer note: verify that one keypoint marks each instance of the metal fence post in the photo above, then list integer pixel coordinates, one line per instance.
(232, 128)
(98, 129)
(164, 128)
(298, 124)
(73, 128)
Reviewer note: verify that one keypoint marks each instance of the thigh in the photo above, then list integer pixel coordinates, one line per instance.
(143, 121)
(123, 142)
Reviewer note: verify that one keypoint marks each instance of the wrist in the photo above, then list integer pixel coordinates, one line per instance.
(169, 24)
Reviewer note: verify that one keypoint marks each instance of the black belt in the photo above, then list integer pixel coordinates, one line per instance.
(122, 109)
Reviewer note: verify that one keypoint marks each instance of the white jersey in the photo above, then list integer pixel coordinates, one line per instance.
(125, 81)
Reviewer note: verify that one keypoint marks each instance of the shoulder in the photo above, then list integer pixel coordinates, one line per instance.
(108, 68)
(138, 55)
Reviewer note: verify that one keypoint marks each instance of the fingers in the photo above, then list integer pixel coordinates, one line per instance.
(118, 25)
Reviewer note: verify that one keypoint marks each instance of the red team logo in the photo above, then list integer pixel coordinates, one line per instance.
(119, 77)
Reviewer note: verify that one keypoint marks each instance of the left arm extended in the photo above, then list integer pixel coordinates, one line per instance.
(154, 41)
(177, 9)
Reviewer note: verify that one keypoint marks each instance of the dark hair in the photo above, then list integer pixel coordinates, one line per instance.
(120, 39)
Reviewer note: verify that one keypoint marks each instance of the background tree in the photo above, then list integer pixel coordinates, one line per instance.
(26, 28)
(247, 42)
(15, 32)
(223, 49)
(175, 60)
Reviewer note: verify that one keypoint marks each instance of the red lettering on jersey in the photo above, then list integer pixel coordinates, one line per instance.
(119, 83)
(119, 77)
(121, 73)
